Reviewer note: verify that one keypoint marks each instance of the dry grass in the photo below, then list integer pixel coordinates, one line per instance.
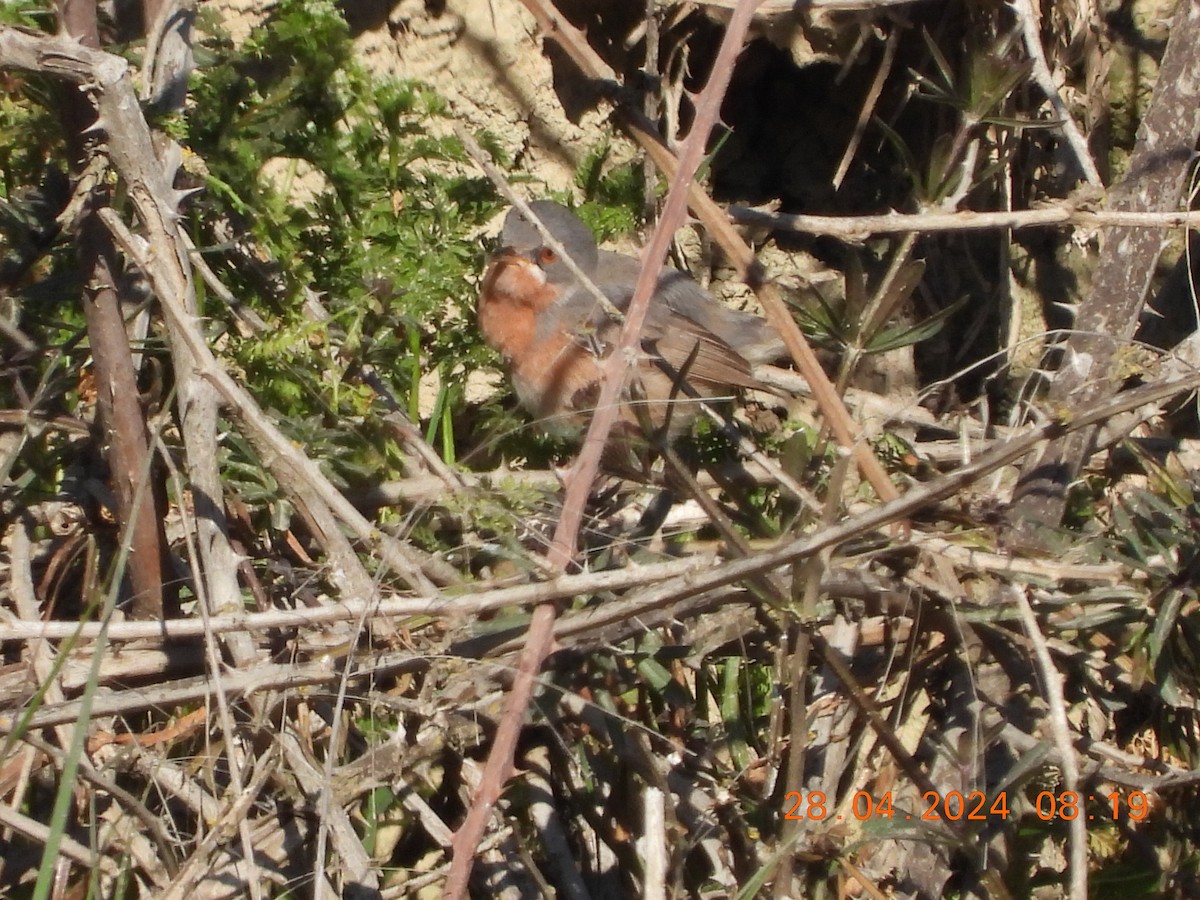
(782, 677)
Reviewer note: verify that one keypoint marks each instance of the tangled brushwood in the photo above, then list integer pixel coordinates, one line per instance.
(299, 600)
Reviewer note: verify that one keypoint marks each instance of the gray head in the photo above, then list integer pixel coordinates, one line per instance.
(520, 236)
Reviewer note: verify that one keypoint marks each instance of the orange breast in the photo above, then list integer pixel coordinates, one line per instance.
(514, 291)
(553, 374)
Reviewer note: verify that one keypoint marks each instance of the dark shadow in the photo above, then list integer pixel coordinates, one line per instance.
(366, 15)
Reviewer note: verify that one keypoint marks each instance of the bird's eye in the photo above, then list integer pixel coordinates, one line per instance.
(547, 256)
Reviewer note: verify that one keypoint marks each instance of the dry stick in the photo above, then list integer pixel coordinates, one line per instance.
(858, 875)
(1175, 779)
(318, 500)
(243, 652)
(888, 737)
(39, 833)
(126, 439)
(410, 436)
(711, 577)
(699, 575)
(540, 636)
(162, 257)
(1027, 17)
(154, 197)
(862, 227)
(650, 104)
(915, 499)
(1060, 730)
(562, 862)
(327, 809)
(130, 806)
(653, 844)
(39, 656)
(844, 429)
(775, 473)
(287, 462)
(792, 656)
(199, 866)
(1108, 315)
(461, 606)
(868, 107)
(497, 177)
(264, 678)
(148, 174)
(251, 321)
(806, 583)
(148, 178)
(356, 867)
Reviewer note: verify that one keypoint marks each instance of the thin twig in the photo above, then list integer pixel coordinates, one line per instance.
(468, 604)
(497, 178)
(653, 845)
(288, 462)
(844, 429)
(39, 833)
(248, 318)
(539, 637)
(917, 498)
(190, 690)
(131, 807)
(325, 800)
(200, 865)
(868, 108)
(1060, 731)
(215, 664)
(1028, 19)
(862, 227)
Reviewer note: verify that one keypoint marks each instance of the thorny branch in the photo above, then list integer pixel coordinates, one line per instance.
(539, 638)
(696, 583)
(840, 423)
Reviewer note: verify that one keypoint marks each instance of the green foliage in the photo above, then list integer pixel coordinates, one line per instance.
(612, 194)
(349, 198)
(29, 135)
(979, 95)
(1154, 531)
(27, 14)
(846, 326)
(990, 76)
(321, 186)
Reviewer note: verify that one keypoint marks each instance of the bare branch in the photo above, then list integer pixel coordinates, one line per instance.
(1028, 19)
(1060, 730)
(540, 635)
(861, 227)
(1107, 317)
(843, 427)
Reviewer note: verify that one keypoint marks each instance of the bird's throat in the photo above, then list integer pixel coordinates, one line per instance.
(514, 293)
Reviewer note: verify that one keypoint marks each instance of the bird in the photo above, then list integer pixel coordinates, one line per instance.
(553, 335)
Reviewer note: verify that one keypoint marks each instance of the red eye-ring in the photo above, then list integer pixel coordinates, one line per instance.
(547, 256)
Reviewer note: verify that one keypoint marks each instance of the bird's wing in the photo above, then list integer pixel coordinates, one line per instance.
(678, 343)
(686, 330)
(680, 347)
(752, 337)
